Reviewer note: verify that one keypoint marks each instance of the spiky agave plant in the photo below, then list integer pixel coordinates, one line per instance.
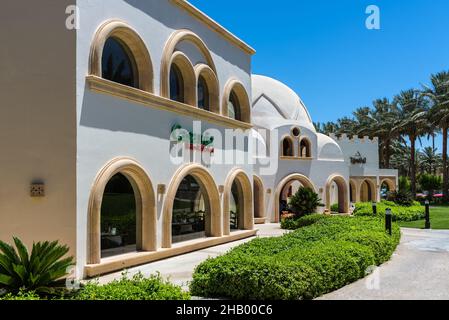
(38, 272)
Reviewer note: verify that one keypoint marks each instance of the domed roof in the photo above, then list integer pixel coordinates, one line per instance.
(329, 149)
(274, 100)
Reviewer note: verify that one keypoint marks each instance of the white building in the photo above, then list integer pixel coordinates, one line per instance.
(95, 120)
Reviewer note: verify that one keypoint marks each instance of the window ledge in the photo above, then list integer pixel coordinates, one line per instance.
(129, 260)
(147, 99)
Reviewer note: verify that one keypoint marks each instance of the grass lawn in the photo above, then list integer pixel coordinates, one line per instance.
(439, 219)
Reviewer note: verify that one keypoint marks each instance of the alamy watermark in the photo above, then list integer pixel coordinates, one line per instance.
(373, 20)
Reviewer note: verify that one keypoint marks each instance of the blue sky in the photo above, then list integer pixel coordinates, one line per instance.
(323, 51)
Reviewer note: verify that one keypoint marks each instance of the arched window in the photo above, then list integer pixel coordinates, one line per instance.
(203, 94)
(305, 149)
(190, 212)
(234, 107)
(118, 64)
(287, 147)
(176, 84)
(118, 217)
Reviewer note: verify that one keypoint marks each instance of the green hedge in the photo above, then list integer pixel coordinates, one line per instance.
(326, 255)
(400, 213)
(295, 223)
(135, 288)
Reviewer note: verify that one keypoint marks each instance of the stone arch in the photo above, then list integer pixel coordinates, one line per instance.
(259, 200)
(207, 184)
(284, 152)
(305, 148)
(233, 85)
(188, 76)
(390, 182)
(367, 193)
(305, 181)
(130, 37)
(246, 193)
(145, 206)
(343, 193)
(212, 83)
(353, 192)
(169, 50)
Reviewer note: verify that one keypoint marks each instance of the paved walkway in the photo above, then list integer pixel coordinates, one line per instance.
(418, 270)
(179, 269)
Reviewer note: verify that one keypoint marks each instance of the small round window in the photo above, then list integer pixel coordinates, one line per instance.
(296, 132)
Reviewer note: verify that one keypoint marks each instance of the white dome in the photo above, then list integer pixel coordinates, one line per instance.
(328, 149)
(274, 101)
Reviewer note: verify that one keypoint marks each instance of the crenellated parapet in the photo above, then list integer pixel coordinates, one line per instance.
(354, 139)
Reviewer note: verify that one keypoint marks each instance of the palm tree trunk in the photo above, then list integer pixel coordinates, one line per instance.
(445, 171)
(413, 165)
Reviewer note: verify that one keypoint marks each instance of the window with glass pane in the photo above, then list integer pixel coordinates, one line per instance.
(118, 65)
(176, 84)
(118, 217)
(233, 107)
(189, 212)
(203, 94)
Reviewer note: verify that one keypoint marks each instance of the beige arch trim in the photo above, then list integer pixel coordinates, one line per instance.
(391, 182)
(145, 206)
(293, 177)
(247, 202)
(372, 186)
(212, 85)
(139, 51)
(212, 197)
(170, 47)
(242, 96)
(292, 143)
(260, 197)
(308, 148)
(188, 76)
(343, 193)
(355, 192)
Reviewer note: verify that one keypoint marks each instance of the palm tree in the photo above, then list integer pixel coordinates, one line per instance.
(413, 110)
(438, 92)
(430, 160)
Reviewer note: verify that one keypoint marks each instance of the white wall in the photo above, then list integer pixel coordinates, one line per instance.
(109, 127)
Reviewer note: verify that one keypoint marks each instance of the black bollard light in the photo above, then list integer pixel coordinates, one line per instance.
(374, 208)
(427, 214)
(388, 220)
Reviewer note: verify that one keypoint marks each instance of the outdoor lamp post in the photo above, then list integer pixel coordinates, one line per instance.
(427, 203)
(374, 208)
(388, 219)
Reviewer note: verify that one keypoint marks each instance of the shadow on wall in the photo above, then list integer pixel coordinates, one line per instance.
(165, 11)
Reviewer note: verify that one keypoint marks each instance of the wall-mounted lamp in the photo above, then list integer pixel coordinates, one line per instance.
(221, 188)
(161, 189)
(37, 190)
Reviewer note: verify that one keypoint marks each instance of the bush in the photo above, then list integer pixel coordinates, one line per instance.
(21, 295)
(37, 272)
(328, 254)
(296, 223)
(400, 213)
(304, 202)
(401, 197)
(335, 208)
(135, 288)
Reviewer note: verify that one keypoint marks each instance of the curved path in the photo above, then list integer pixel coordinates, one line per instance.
(419, 269)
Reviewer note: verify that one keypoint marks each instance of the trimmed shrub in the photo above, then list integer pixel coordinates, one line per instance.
(303, 264)
(296, 223)
(21, 295)
(135, 288)
(400, 213)
(305, 201)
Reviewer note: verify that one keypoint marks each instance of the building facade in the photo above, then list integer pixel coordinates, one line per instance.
(142, 134)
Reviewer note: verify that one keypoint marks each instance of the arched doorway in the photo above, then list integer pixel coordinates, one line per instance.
(287, 186)
(113, 184)
(259, 201)
(387, 186)
(337, 188)
(352, 191)
(367, 191)
(191, 207)
(237, 203)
